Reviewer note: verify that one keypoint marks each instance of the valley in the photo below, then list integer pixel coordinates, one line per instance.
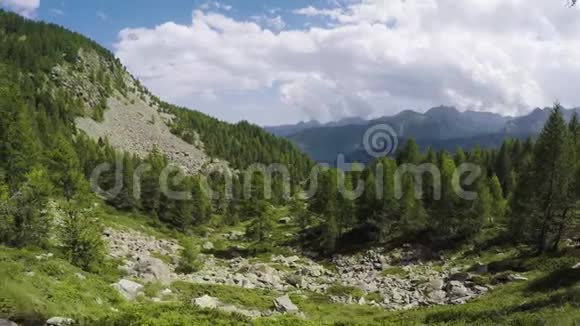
(119, 208)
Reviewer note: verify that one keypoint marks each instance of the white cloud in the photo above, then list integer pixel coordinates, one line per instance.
(26, 8)
(376, 58)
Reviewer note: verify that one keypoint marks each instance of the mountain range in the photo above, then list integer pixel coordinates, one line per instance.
(441, 128)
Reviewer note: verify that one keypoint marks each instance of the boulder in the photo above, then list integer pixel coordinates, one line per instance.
(456, 289)
(461, 277)
(152, 270)
(436, 297)
(128, 289)
(60, 321)
(6, 322)
(208, 245)
(284, 304)
(207, 302)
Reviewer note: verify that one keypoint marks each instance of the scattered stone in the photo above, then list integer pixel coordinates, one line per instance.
(284, 304)
(208, 245)
(128, 289)
(166, 292)
(207, 302)
(60, 321)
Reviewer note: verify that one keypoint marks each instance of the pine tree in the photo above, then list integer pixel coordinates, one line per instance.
(80, 235)
(542, 203)
(65, 169)
(26, 212)
(499, 203)
(260, 228)
(413, 217)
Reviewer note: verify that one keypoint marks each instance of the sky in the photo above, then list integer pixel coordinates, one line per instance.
(275, 62)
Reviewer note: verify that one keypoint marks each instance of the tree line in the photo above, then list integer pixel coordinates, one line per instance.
(530, 188)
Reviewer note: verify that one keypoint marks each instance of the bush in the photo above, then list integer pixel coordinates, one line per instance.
(188, 263)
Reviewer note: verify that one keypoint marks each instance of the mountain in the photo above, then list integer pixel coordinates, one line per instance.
(533, 122)
(442, 128)
(437, 126)
(290, 129)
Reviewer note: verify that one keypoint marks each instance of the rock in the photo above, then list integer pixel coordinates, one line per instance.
(6, 322)
(362, 301)
(207, 245)
(60, 321)
(284, 220)
(80, 276)
(461, 277)
(436, 297)
(166, 292)
(128, 289)
(152, 270)
(516, 277)
(577, 266)
(284, 304)
(435, 284)
(456, 289)
(207, 302)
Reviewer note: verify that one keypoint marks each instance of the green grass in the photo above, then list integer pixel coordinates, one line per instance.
(395, 271)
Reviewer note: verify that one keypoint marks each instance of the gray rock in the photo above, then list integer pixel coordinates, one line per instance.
(516, 278)
(577, 266)
(284, 304)
(436, 297)
(461, 277)
(152, 270)
(6, 322)
(456, 289)
(60, 321)
(128, 289)
(207, 302)
(208, 245)
(480, 268)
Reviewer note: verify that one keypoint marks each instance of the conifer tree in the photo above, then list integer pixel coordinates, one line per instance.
(80, 234)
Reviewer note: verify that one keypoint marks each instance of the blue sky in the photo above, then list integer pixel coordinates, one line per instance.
(102, 20)
(275, 62)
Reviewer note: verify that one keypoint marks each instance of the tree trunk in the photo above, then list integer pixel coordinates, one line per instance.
(561, 228)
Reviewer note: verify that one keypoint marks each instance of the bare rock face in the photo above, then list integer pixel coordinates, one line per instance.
(284, 304)
(152, 270)
(135, 126)
(128, 289)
